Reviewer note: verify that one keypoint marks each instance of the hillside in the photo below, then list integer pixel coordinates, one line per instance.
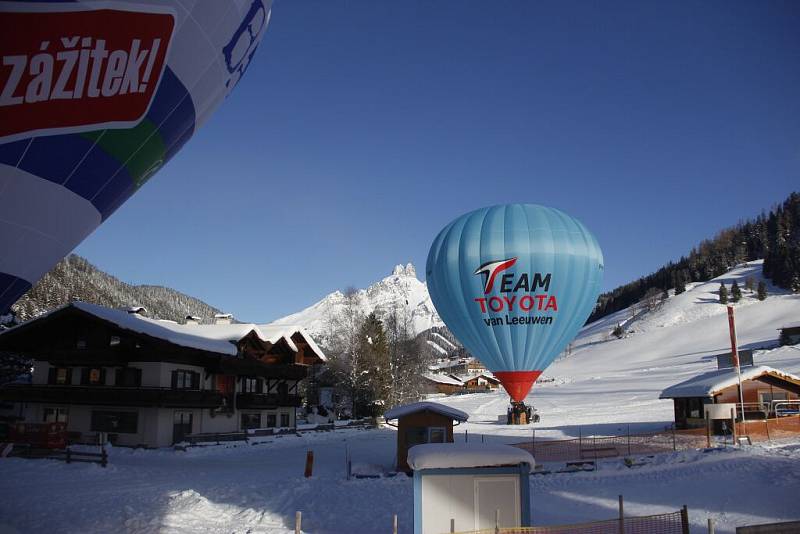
(74, 278)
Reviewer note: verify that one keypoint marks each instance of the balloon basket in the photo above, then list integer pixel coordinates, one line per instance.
(521, 414)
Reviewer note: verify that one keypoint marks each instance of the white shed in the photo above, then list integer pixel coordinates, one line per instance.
(469, 483)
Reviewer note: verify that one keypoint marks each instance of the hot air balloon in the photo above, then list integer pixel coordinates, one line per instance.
(515, 283)
(95, 97)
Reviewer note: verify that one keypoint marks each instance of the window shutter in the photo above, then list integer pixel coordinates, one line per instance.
(174, 379)
(259, 386)
(69, 376)
(195, 380)
(137, 377)
(51, 375)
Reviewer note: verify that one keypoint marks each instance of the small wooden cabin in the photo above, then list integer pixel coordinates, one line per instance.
(442, 383)
(762, 388)
(422, 422)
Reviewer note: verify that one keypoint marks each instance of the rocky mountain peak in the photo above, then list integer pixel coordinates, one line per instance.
(407, 270)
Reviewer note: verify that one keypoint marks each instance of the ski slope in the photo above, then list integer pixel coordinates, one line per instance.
(602, 387)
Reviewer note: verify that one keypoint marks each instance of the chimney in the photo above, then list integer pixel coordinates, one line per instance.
(192, 319)
(223, 318)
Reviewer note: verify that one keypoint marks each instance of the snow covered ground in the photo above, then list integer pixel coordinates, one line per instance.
(605, 385)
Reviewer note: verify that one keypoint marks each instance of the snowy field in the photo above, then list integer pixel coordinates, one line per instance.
(601, 388)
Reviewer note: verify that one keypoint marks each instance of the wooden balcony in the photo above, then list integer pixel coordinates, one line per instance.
(112, 396)
(266, 401)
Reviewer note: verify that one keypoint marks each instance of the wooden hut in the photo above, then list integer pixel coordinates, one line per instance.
(767, 392)
(442, 383)
(422, 422)
(480, 382)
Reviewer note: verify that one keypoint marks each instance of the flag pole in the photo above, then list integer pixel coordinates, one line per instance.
(735, 358)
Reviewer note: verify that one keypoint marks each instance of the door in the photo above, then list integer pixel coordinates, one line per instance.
(181, 426)
(497, 493)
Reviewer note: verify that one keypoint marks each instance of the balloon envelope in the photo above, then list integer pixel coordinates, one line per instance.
(95, 97)
(515, 283)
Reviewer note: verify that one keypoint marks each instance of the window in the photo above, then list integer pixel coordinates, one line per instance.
(182, 379)
(271, 420)
(416, 435)
(252, 385)
(55, 415)
(285, 420)
(119, 422)
(93, 376)
(130, 377)
(81, 344)
(251, 420)
(113, 341)
(61, 376)
(436, 434)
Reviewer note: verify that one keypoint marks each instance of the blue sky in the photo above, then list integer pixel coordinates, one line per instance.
(361, 128)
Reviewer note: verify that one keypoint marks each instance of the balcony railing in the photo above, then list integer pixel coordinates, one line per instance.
(112, 396)
(266, 401)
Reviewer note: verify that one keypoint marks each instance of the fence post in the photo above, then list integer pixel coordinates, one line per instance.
(580, 442)
(298, 520)
(103, 457)
(452, 525)
(69, 458)
(708, 432)
(629, 440)
(394, 524)
(766, 425)
(674, 444)
(621, 517)
(594, 446)
(710, 525)
(685, 519)
(482, 438)
(466, 436)
(309, 464)
(533, 442)
(733, 426)
(497, 521)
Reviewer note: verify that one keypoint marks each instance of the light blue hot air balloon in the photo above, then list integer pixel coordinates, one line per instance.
(515, 283)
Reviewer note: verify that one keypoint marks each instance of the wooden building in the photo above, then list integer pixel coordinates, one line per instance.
(146, 382)
(483, 381)
(442, 383)
(789, 334)
(422, 422)
(764, 389)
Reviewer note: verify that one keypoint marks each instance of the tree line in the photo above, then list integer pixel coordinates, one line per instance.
(773, 236)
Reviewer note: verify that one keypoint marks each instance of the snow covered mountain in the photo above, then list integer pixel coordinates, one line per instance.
(401, 291)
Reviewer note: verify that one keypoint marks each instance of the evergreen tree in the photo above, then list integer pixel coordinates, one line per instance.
(723, 294)
(680, 283)
(762, 290)
(736, 293)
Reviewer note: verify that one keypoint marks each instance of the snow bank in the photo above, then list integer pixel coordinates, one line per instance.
(447, 411)
(449, 455)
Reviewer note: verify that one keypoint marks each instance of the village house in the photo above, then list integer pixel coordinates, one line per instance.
(145, 382)
(789, 334)
(483, 381)
(442, 383)
(767, 392)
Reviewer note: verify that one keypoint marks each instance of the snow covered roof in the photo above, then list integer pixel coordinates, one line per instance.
(443, 379)
(486, 374)
(452, 455)
(219, 338)
(447, 364)
(414, 407)
(273, 331)
(711, 383)
(788, 326)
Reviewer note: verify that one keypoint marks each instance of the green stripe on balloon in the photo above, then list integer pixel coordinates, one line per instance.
(141, 149)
